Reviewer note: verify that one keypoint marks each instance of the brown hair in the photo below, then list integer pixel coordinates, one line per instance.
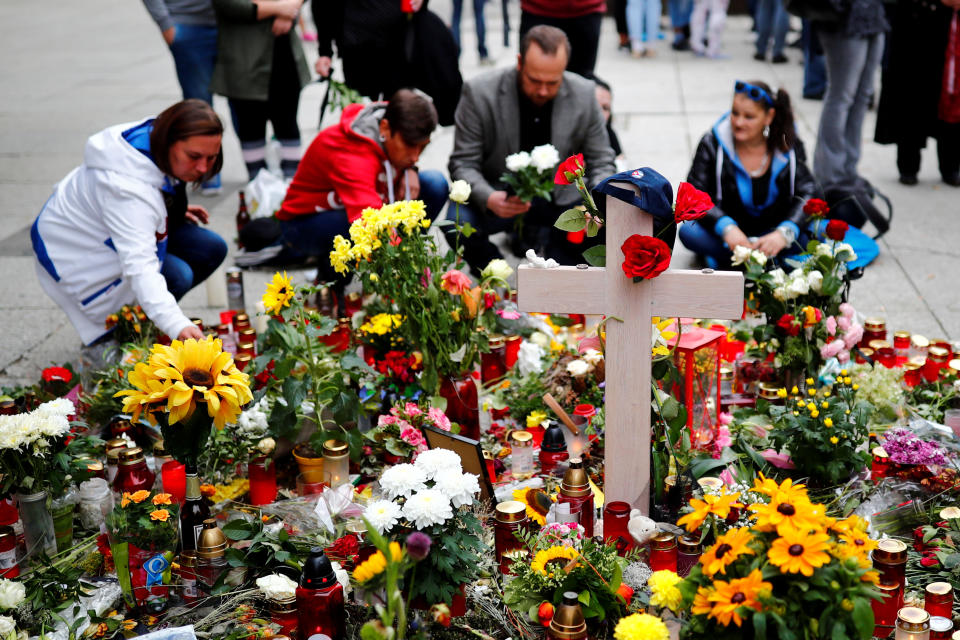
(548, 38)
(178, 122)
(412, 115)
(783, 131)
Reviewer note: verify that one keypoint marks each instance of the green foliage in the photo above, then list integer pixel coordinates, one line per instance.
(452, 560)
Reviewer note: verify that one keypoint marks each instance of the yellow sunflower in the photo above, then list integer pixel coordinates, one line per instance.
(728, 597)
(538, 503)
(148, 395)
(560, 555)
(199, 371)
(799, 552)
(728, 548)
(717, 505)
(278, 294)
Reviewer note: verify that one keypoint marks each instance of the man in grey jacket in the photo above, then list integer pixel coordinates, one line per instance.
(505, 112)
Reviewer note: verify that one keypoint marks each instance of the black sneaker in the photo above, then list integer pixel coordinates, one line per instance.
(780, 59)
(911, 179)
(953, 179)
(759, 56)
(681, 45)
(814, 96)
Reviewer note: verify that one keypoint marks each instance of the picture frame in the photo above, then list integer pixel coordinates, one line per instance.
(471, 456)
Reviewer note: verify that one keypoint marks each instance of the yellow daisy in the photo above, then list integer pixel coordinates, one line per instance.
(279, 293)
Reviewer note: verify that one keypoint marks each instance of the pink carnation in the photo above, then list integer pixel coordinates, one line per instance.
(832, 349)
(386, 421)
(439, 418)
(412, 410)
(843, 357)
(844, 323)
(853, 336)
(831, 325)
(847, 309)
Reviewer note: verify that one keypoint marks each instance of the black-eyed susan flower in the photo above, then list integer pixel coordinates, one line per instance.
(717, 505)
(728, 597)
(799, 551)
(727, 549)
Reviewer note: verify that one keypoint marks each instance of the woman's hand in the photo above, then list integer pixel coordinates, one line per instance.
(322, 66)
(190, 331)
(771, 244)
(197, 214)
(735, 237)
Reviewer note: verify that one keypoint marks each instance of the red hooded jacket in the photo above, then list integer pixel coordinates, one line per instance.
(344, 168)
(563, 8)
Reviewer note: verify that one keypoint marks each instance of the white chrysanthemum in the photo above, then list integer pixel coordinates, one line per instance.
(517, 161)
(741, 254)
(277, 587)
(578, 368)
(382, 515)
(58, 407)
(434, 461)
(402, 479)
(459, 487)
(530, 358)
(544, 158)
(427, 507)
(12, 594)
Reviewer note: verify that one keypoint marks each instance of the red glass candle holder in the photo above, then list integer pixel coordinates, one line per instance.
(885, 609)
(663, 552)
(263, 481)
(512, 352)
(616, 515)
(173, 478)
(887, 356)
(938, 599)
(309, 485)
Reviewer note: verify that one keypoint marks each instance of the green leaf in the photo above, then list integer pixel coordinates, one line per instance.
(294, 392)
(592, 228)
(596, 256)
(238, 530)
(759, 626)
(571, 220)
(863, 618)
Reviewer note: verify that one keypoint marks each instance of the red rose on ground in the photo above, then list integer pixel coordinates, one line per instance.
(929, 559)
(816, 207)
(837, 230)
(644, 257)
(345, 547)
(57, 374)
(788, 324)
(691, 203)
(569, 169)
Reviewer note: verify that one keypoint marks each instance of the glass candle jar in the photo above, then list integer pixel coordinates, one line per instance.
(568, 622)
(912, 624)
(493, 364)
(242, 360)
(688, 554)
(873, 329)
(509, 517)
(96, 501)
(521, 453)
(283, 613)
(336, 462)
(616, 515)
(8, 553)
(885, 609)
(553, 448)
(901, 344)
(879, 464)
(575, 490)
(249, 348)
(938, 599)
(241, 321)
(663, 552)
(863, 355)
(890, 560)
(160, 456)
(188, 576)
(132, 472)
(770, 392)
(512, 350)
(940, 628)
(211, 555)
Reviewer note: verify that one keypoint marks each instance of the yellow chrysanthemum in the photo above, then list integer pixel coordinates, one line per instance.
(381, 324)
(717, 505)
(341, 254)
(186, 374)
(664, 591)
(377, 563)
(641, 626)
(728, 597)
(727, 549)
(799, 551)
(535, 418)
(560, 555)
(279, 293)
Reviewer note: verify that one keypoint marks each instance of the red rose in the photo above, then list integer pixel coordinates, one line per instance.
(837, 229)
(345, 547)
(545, 613)
(929, 559)
(691, 203)
(644, 257)
(576, 237)
(406, 6)
(57, 374)
(788, 324)
(816, 207)
(569, 169)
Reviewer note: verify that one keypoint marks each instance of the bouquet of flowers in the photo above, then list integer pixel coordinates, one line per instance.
(131, 324)
(399, 432)
(793, 570)
(435, 497)
(530, 174)
(249, 439)
(32, 448)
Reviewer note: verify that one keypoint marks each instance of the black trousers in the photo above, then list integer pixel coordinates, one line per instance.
(948, 153)
(584, 35)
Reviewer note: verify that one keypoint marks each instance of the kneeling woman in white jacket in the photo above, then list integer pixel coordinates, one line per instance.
(118, 228)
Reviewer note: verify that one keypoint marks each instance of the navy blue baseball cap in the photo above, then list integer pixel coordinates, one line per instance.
(656, 193)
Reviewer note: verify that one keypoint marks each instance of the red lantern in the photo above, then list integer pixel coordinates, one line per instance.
(697, 357)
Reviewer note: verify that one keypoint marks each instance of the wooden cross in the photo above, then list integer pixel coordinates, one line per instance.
(608, 291)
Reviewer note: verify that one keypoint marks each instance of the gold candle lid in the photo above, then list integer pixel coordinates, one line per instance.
(768, 391)
(950, 513)
(954, 365)
(663, 541)
(918, 341)
(710, 482)
(188, 558)
(918, 360)
(248, 332)
(244, 358)
(116, 443)
(689, 544)
(911, 366)
(891, 551)
(521, 438)
(938, 354)
(131, 456)
(511, 511)
(726, 373)
(198, 322)
(901, 334)
(211, 543)
(913, 619)
(496, 342)
(866, 352)
(575, 483)
(335, 448)
(875, 324)
(940, 624)
(94, 466)
(876, 345)
(568, 622)
(880, 452)
(939, 588)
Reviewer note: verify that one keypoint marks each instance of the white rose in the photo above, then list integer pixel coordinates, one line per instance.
(778, 277)
(759, 257)
(460, 191)
(12, 594)
(7, 626)
(842, 248)
(342, 577)
(781, 293)
(544, 158)
(578, 368)
(497, 268)
(518, 161)
(741, 254)
(592, 356)
(266, 446)
(799, 286)
(815, 280)
(823, 249)
(277, 587)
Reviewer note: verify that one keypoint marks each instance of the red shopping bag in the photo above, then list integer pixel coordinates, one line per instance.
(949, 108)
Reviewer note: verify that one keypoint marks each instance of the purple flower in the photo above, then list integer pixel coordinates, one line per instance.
(904, 447)
(418, 545)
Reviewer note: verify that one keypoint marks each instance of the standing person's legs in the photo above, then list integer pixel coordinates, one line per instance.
(193, 253)
(698, 26)
(651, 21)
(635, 25)
(718, 19)
(284, 103)
(853, 134)
(764, 21)
(455, 22)
(481, 26)
(250, 121)
(908, 160)
(620, 18)
(948, 153)
(845, 59)
(584, 34)
(781, 25)
(814, 71)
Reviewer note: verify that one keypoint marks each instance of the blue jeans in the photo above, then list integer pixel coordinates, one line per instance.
(312, 235)
(643, 19)
(194, 52)
(814, 68)
(773, 21)
(478, 20)
(680, 11)
(702, 240)
(193, 253)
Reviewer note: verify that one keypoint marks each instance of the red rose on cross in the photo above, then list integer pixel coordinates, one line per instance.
(691, 203)
(816, 208)
(644, 257)
(570, 169)
(837, 230)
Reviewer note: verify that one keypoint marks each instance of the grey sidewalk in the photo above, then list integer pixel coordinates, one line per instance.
(75, 68)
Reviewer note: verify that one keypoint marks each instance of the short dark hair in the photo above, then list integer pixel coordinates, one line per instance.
(412, 115)
(178, 122)
(548, 38)
(603, 84)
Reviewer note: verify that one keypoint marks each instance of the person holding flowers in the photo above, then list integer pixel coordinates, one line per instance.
(753, 166)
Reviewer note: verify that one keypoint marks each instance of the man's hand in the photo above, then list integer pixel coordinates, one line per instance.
(281, 26)
(287, 9)
(735, 237)
(169, 35)
(322, 66)
(504, 206)
(416, 5)
(190, 331)
(771, 244)
(197, 214)
(411, 179)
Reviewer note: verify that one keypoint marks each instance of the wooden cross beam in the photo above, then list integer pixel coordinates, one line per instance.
(608, 291)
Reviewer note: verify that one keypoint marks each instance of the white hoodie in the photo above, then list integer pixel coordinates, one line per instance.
(96, 239)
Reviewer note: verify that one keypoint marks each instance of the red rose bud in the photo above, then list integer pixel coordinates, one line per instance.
(644, 257)
(837, 230)
(570, 169)
(576, 237)
(57, 374)
(406, 6)
(788, 324)
(545, 613)
(691, 203)
(816, 208)
(929, 560)
(625, 591)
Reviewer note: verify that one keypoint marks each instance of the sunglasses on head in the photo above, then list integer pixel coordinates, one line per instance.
(753, 92)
